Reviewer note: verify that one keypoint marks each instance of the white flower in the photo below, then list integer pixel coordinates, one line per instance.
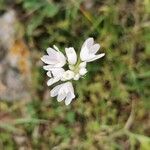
(67, 75)
(55, 58)
(55, 75)
(71, 55)
(63, 91)
(89, 50)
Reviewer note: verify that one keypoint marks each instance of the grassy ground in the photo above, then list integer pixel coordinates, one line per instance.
(111, 110)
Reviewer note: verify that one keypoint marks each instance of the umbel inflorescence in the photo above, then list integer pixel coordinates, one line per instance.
(56, 60)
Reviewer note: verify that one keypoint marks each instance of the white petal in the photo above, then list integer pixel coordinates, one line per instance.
(71, 67)
(85, 48)
(57, 72)
(61, 97)
(89, 50)
(48, 59)
(61, 59)
(70, 87)
(76, 77)
(55, 90)
(89, 42)
(64, 91)
(52, 81)
(60, 56)
(68, 75)
(48, 67)
(69, 98)
(84, 53)
(83, 71)
(94, 48)
(96, 57)
(51, 51)
(54, 57)
(71, 55)
(82, 65)
(49, 74)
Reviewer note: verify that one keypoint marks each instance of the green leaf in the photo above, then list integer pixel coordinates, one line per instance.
(60, 129)
(31, 5)
(144, 140)
(8, 127)
(70, 117)
(34, 23)
(50, 10)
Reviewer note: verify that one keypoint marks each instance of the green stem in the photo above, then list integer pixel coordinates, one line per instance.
(76, 67)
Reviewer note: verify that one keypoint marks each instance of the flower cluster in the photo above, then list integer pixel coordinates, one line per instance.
(56, 60)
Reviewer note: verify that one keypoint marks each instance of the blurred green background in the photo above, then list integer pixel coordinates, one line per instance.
(111, 110)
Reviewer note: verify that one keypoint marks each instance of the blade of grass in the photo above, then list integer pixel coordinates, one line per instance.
(28, 120)
(8, 127)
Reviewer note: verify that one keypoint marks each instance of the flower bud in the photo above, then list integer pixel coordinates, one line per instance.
(83, 71)
(76, 77)
(82, 65)
(68, 75)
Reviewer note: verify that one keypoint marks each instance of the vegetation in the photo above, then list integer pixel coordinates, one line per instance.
(111, 110)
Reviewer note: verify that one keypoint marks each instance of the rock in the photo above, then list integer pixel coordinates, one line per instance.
(15, 72)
